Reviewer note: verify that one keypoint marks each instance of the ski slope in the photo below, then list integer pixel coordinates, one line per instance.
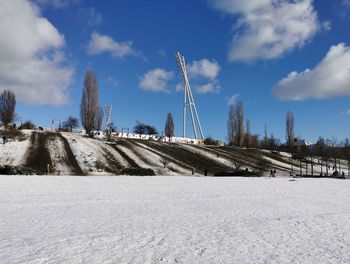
(173, 220)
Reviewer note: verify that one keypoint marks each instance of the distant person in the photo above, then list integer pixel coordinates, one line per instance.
(271, 173)
(205, 172)
(4, 139)
(343, 174)
(192, 171)
(274, 173)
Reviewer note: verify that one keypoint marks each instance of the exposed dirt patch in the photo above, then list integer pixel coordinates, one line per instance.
(38, 156)
(131, 162)
(70, 159)
(165, 158)
(113, 164)
(188, 158)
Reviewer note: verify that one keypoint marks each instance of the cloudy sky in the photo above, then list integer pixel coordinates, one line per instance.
(274, 55)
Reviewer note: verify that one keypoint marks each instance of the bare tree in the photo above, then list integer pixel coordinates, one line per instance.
(111, 128)
(266, 138)
(290, 128)
(99, 120)
(231, 127)
(169, 126)
(255, 141)
(89, 107)
(7, 107)
(240, 124)
(144, 129)
(71, 123)
(248, 135)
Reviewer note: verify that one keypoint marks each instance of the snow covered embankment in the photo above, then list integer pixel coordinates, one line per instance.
(12, 153)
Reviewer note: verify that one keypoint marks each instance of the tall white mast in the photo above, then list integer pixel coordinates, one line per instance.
(188, 99)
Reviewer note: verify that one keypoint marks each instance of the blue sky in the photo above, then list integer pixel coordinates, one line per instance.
(275, 56)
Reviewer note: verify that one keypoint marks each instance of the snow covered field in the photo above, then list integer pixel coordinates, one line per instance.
(173, 220)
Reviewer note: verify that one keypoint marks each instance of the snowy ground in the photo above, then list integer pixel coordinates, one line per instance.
(12, 153)
(173, 220)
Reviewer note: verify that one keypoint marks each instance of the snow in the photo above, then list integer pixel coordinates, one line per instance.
(182, 170)
(58, 155)
(89, 152)
(173, 220)
(12, 153)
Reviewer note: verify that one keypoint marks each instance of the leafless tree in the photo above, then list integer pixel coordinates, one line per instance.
(290, 128)
(255, 141)
(71, 123)
(266, 138)
(99, 120)
(89, 107)
(240, 124)
(7, 107)
(169, 126)
(111, 128)
(144, 129)
(231, 126)
(248, 135)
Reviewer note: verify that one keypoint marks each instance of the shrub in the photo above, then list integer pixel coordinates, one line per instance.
(28, 125)
(16, 170)
(13, 133)
(210, 141)
(240, 173)
(137, 172)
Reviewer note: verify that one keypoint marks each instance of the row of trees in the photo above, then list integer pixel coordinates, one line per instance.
(237, 135)
(91, 113)
(169, 130)
(240, 136)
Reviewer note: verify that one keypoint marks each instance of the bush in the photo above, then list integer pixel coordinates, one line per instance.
(239, 173)
(137, 172)
(12, 133)
(28, 125)
(210, 141)
(16, 170)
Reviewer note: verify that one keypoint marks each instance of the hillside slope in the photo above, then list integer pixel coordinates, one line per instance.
(74, 154)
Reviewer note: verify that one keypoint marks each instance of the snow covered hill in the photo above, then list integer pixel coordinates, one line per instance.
(173, 220)
(74, 154)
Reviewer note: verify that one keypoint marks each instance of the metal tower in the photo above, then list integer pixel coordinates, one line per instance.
(108, 111)
(188, 99)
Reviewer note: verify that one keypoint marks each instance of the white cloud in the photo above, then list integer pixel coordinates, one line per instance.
(112, 81)
(203, 76)
(91, 16)
(346, 3)
(179, 87)
(232, 99)
(203, 68)
(162, 53)
(211, 87)
(104, 43)
(156, 80)
(267, 29)
(331, 77)
(347, 112)
(32, 63)
(57, 3)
